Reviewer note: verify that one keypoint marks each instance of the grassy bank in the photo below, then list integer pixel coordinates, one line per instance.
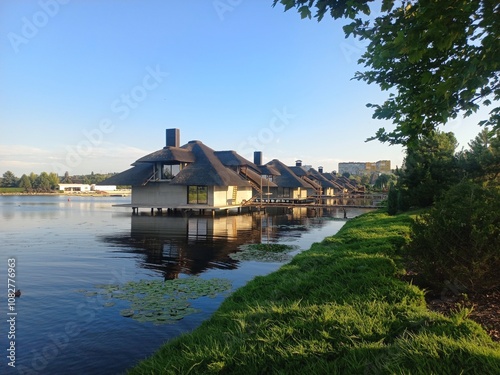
(11, 190)
(338, 308)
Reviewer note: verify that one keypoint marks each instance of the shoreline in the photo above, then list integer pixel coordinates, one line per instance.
(92, 194)
(339, 307)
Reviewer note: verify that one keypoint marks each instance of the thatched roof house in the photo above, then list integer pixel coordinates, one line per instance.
(192, 175)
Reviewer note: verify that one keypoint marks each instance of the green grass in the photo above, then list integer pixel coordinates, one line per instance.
(11, 190)
(338, 308)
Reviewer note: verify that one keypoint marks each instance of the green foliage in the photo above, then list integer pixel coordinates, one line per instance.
(337, 308)
(458, 241)
(25, 183)
(43, 182)
(392, 201)
(430, 168)
(9, 180)
(482, 162)
(383, 180)
(439, 59)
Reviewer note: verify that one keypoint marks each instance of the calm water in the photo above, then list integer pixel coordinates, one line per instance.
(61, 247)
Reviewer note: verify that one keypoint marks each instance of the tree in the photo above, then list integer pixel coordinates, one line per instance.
(382, 181)
(9, 179)
(54, 180)
(25, 182)
(438, 59)
(458, 240)
(43, 182)
(482, 161)
(33, 178)
(430, 168)
(67, 178)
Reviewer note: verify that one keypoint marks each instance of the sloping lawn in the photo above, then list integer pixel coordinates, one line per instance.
(338, 308)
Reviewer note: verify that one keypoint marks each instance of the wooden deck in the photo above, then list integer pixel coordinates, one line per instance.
(202, 209)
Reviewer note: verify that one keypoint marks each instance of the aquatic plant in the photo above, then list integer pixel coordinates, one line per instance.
(264, 252)
(158, 301)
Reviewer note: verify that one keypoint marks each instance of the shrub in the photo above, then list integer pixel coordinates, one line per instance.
(458, 240)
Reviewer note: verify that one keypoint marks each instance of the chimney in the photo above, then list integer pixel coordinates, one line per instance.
(320, 169)
(257, 157)
(173, 137)
(298, 163)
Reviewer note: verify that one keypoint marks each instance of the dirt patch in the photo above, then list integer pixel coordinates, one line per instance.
(485, 308)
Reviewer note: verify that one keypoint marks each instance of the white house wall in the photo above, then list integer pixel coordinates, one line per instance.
(244, 194)
(159, 195)
(299, 193)
(168, 195)
(223, 195)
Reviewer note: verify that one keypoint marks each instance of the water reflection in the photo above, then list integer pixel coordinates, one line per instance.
(187, 245)
(174, 245)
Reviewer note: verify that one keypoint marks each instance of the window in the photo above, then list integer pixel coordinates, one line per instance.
(166, 172)
(283, 192)
(197, 194)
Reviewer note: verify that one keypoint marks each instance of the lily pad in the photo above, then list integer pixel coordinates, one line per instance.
(264, 253)
(127, 313)
(161, 302)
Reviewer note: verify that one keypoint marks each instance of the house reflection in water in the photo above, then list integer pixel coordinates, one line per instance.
(189, 245)
(174, 245)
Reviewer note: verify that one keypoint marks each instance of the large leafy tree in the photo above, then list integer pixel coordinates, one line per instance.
(438, 59)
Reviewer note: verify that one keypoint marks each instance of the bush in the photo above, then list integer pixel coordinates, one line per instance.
(458, 240)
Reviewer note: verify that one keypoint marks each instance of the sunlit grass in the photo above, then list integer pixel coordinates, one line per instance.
(338, 308)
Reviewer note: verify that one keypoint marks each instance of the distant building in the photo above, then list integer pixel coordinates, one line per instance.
(365, 168)
(85, 188)
(75, 188)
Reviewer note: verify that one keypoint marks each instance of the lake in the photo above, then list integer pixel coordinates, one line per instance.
(69, 254)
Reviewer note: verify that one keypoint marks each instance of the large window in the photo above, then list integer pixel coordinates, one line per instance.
(169, 171)
(283, 192)
(197, 194)
(165, 172)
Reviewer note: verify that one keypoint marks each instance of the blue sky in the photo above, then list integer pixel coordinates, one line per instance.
(92, 85)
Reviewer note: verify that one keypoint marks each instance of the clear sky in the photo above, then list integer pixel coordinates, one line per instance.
(92, 85)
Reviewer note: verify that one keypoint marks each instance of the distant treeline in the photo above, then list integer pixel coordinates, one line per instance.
(46, 182)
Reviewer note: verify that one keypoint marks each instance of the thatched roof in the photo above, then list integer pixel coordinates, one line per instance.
(258, 179)
(233, 159)
(168, 155)
(298, 170)
(322, 180)
(137, 175)
(204, 167)
(286, 178)
(207, 169)
(268, 170)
